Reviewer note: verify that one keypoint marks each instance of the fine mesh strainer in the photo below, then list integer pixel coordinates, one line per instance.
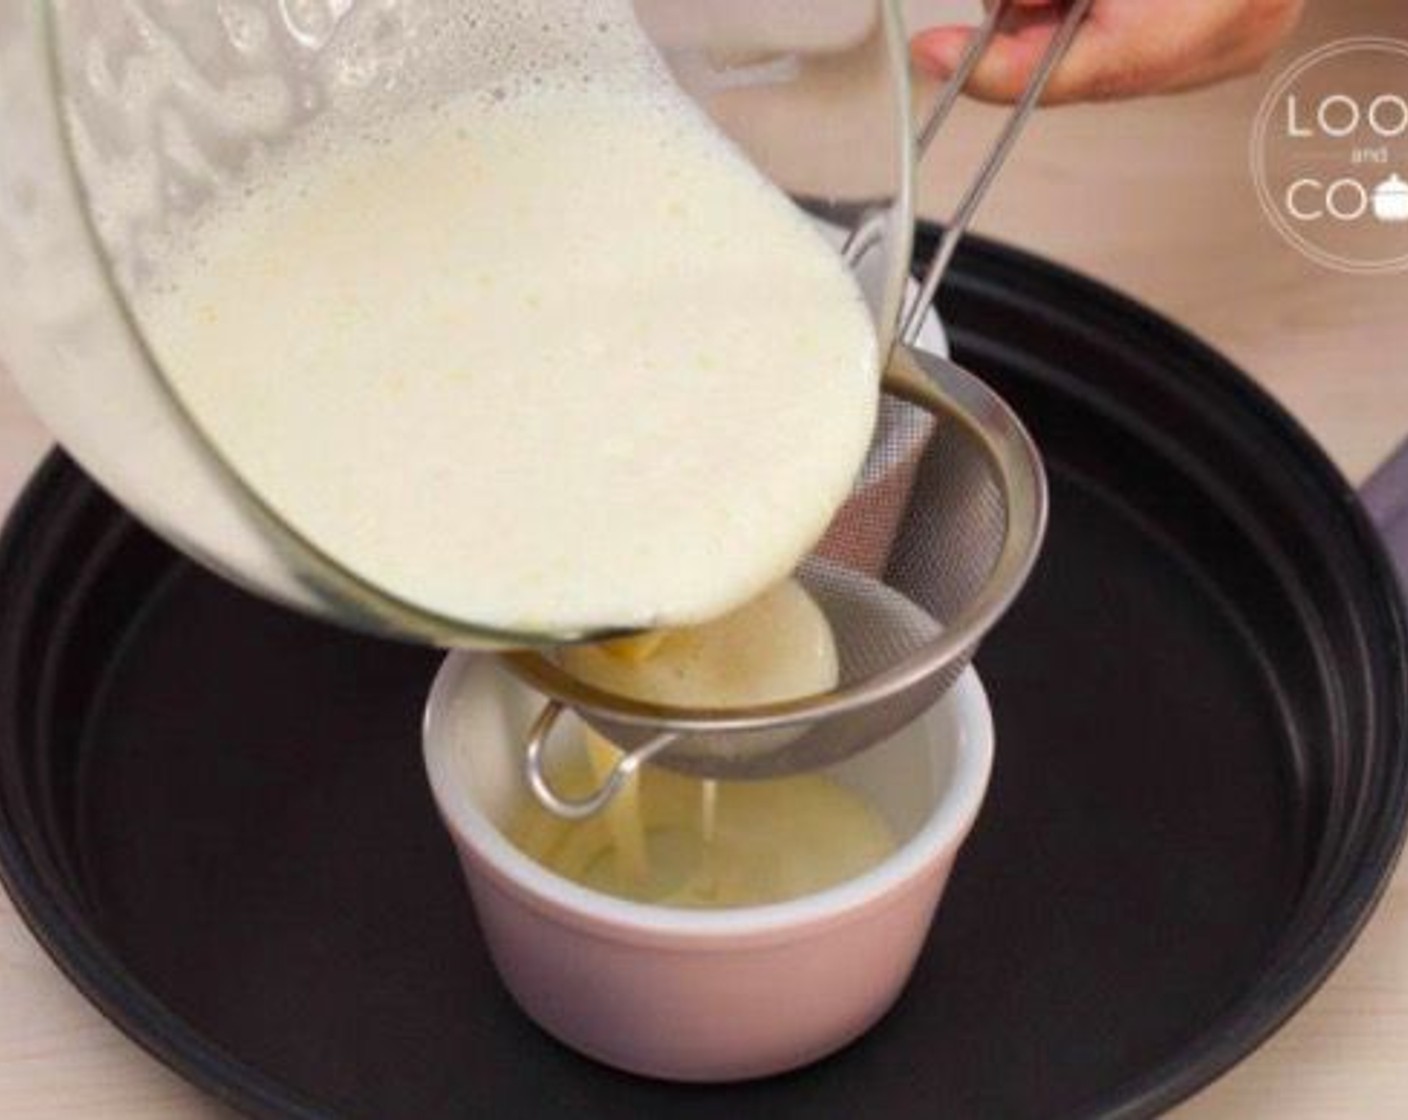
(935, 541)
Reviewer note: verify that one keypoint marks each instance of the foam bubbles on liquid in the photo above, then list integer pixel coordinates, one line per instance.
(436, 59)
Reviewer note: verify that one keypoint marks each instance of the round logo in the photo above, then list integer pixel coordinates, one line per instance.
(1329, 155)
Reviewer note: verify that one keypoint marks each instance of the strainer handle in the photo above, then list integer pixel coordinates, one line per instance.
(987, 174)
(579, 808)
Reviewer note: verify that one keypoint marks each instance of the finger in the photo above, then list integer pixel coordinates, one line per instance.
(1117, 52)
(936, 51)
(1098, 65)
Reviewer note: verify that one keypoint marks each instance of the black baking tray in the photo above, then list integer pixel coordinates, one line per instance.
(213, 812)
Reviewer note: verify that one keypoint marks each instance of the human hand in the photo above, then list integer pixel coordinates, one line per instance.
(1124, 48)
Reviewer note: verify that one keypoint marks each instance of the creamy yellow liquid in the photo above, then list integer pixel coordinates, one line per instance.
(772, 840)
(680, 841)
(551, 355)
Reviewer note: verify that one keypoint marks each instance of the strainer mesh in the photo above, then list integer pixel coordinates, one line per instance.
(915, 542)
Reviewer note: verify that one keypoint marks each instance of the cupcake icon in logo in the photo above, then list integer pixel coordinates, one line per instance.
(1391, 200)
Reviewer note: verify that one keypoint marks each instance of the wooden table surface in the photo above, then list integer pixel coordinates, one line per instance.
(1153, 198)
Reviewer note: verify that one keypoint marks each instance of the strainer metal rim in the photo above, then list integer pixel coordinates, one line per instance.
(944, 388)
